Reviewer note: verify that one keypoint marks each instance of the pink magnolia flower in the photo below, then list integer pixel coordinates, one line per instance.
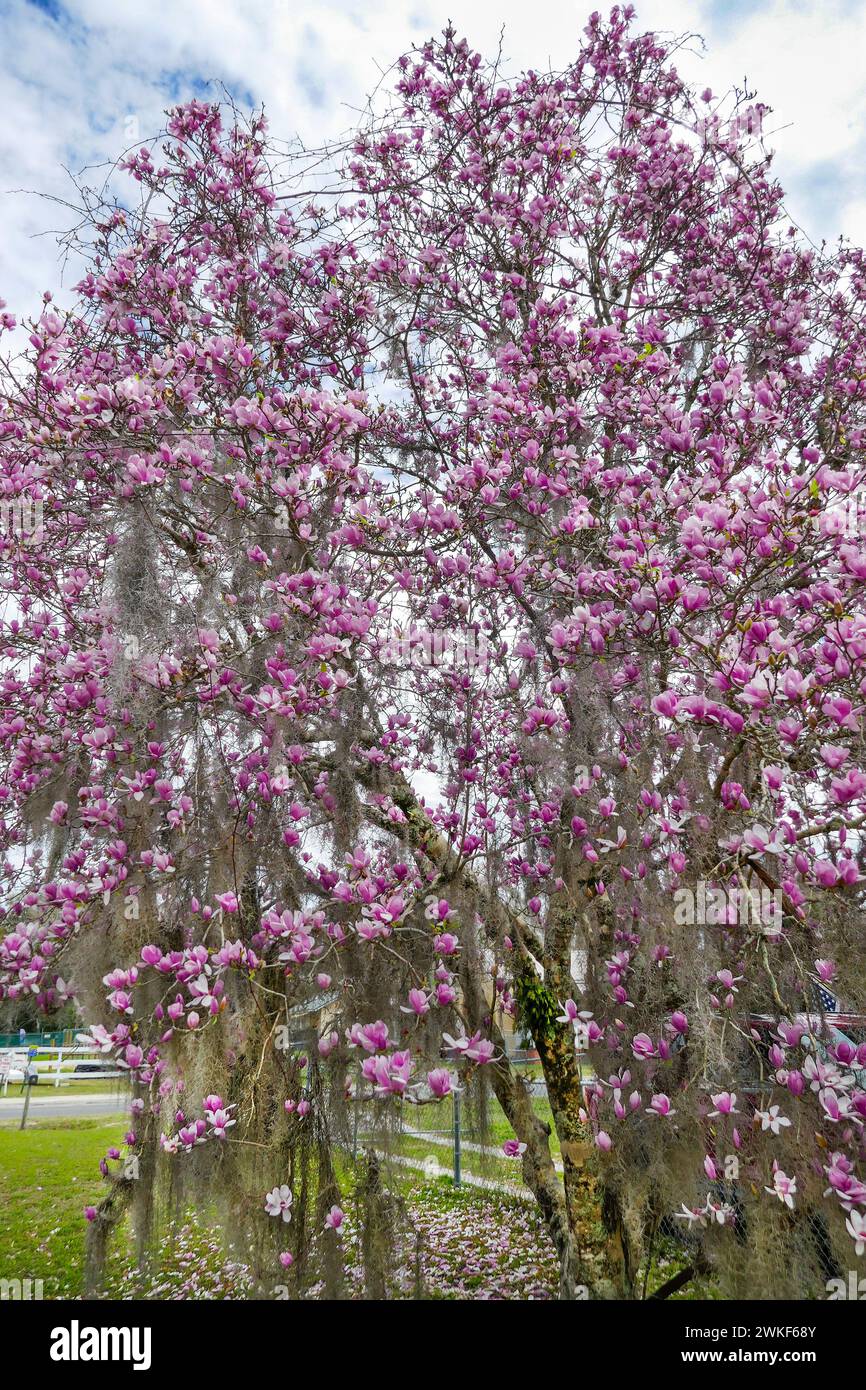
(825, 873)
(512, 1149)
(660, 1105)
(390, 1075)
(419, 1004)
(643, 1047)
(480, 1050)
(665, 704)
(372, 1037)
(446, 944)
(334, 1219)
(476, 1048)
(784, 1188)
(725, 1103)
(835, 1107)
(221, 1121)
(570, 1013)
(441, 1082)
(578, 1018)
(438, 910)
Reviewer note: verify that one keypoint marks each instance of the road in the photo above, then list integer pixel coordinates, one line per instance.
(59, 1105)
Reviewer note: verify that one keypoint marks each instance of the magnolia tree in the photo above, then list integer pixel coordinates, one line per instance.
(440, 620)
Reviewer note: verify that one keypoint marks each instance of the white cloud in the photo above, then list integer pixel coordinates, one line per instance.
(74, 72)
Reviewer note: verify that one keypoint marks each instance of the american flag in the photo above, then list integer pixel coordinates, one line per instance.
(826, 1000)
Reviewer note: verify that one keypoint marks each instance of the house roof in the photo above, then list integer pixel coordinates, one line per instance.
(314, 1006)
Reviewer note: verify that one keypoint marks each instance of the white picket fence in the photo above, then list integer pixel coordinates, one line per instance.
(55, 1065)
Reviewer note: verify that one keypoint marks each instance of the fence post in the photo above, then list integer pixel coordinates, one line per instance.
(457, 1155)
(59, 1060)
(27, 1090)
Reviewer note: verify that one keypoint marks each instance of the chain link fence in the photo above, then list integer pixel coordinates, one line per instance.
(460, 1138)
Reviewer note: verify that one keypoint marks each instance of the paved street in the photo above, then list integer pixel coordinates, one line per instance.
(58, 1104)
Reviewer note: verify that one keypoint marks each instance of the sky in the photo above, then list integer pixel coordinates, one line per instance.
(81, 75)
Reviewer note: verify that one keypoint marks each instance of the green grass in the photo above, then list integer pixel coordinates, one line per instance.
(48, 1174)
(668, 1259)
(500, 1169)
(439, 1119)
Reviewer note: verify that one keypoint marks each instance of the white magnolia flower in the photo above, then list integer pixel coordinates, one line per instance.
(279, 1202)
(692, 1215)
(772, 1120)
(856, 1228)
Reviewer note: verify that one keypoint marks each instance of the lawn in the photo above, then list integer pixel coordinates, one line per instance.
(48, 1174)
(473, 1245)
(459, 1244)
